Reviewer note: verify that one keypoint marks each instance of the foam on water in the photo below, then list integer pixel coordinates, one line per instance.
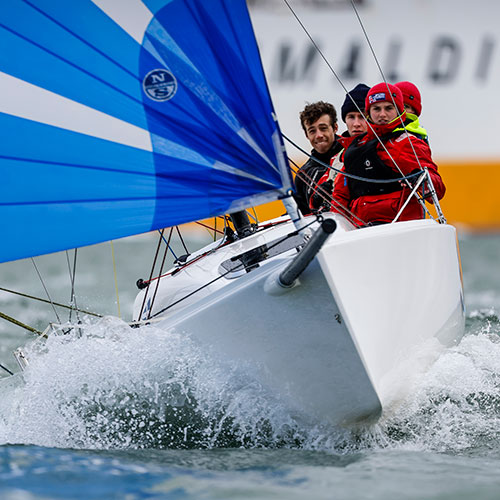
(455, 407)
(105, 385)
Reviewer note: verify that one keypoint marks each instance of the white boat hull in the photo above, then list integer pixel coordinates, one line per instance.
(369, 314)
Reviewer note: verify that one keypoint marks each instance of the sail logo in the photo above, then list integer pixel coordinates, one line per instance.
(159, 85)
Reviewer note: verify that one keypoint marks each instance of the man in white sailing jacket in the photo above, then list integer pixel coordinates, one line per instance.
(319, 121)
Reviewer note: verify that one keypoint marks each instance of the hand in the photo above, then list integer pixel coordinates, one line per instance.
(322, 196)
(410, 183)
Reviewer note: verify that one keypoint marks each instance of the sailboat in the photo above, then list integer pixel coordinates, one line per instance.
(121, 118)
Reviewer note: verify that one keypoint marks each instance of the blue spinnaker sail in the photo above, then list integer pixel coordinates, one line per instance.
(120, 117)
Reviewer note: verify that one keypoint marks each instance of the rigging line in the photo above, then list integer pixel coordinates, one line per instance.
(417, 184)
(192, 261)
(72, 275)
(351, 216)
(182, 239)
(223, 242)
(48, 302)
(73, 285)
(115, 277)
(6, 369)
(236, 268)
(383, 77)
(420, 199)
(295, 165)
(345, 211)
(45, 288)
(151, 273)
(254, 215)
(167, 243)
(352, 176)
(160, 271)
(316, 45)
(328, 197)
(226, 225)
(210, 228)
(342, 84)
(22, 325)
(307, 179)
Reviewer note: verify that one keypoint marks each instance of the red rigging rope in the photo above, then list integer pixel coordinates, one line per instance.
(145, 283)
(311, 183)
(329, 198)
(239, 266)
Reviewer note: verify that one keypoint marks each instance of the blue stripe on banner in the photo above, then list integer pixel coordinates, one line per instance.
(85, 65)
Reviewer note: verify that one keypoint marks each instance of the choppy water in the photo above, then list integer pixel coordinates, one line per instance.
(112, 412)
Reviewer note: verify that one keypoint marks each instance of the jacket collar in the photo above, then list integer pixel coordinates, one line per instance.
(334, 149)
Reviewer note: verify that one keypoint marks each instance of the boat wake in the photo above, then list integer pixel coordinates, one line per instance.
(105, 385)
(456, 405)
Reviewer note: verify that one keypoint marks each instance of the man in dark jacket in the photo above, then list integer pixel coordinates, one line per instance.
(352, 115)
(319, 121)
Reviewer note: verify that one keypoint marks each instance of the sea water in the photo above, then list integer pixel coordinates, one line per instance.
(107, 411)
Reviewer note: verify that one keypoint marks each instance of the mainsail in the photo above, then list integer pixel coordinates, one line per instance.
(120, 117)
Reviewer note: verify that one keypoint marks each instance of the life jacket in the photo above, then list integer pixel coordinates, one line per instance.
(363, 161)
(412, 126)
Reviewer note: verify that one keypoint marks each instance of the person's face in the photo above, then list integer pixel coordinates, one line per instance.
(383, 112)
(410, 109)
(355, 122)
(321, 133)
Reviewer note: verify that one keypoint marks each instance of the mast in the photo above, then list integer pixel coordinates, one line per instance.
(245, 228)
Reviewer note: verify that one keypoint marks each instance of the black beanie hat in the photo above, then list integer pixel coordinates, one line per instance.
(358, 93)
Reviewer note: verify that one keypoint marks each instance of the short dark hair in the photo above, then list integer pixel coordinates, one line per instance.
(314, 111)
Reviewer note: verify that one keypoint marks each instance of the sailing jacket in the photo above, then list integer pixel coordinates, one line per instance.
(310, 173)
(366, 157)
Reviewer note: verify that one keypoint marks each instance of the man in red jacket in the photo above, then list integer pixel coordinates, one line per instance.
(383, 153)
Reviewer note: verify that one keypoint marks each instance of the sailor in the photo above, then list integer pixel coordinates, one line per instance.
(352, 113)
(353, 109)
(413, 106)
(319, 121)
(386, 151)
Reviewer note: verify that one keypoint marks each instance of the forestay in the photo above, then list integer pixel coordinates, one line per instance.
(120, 117)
